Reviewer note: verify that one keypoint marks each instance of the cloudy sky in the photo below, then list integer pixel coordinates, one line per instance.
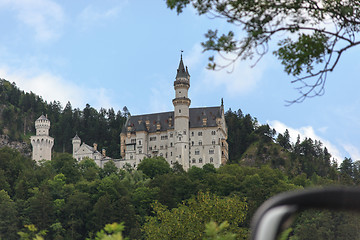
(115, 53)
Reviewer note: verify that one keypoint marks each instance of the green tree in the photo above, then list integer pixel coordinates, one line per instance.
(154, 166)
(312, 35)
(188, 220)
(8, 217)
(284, 140)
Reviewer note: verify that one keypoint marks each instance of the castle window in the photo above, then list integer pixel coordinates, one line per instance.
(131, 156)
(161, 147)
(152, 138)
(213, 142)
(139, 142)
(199, 133)
(193, 160)
(180, 156)
(192, 134)
(185, 146)
(140, 151)
(192, 143)
(164, 137)
(211, 151)
(211, 160)
(197, 152)
(179, 110)
(213, 132)
(171, 144)
(184, 132)
(133, 140)
(171, 135)
(170, 153)
(179, 138)
(200, 143)
(200, 160)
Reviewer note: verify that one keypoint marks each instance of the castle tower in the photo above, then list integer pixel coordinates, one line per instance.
(42, 143)
(181, 104)
(76, 141)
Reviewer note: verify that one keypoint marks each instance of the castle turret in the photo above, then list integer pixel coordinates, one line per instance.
(42, 143)
(76, 141)
(181, 104)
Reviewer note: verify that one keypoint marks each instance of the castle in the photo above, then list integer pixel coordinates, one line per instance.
(42, 143)
(189, 136)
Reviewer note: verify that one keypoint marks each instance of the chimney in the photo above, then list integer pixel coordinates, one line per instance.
(104, 152)
(95, 146)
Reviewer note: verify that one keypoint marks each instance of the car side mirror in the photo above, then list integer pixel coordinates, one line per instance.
(276, 214)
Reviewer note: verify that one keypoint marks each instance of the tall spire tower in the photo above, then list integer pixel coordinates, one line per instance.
(181, 104)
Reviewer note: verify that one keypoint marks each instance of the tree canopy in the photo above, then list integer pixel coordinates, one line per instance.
(311, 35)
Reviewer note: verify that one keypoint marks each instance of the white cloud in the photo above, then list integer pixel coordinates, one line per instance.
(51, 87)
(239, 78)
(307, 132)
(195, 56)
(353, 151)
(91, 14)
(45, 17)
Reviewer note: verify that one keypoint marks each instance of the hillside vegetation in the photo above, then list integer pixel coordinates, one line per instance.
(66, 199)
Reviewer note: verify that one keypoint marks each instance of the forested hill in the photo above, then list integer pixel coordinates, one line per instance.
(249, 143)
(66, 199)
(19, 110)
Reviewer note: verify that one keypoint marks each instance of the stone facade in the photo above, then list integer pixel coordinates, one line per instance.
(42, 143)
(190, 136)
(82, 150)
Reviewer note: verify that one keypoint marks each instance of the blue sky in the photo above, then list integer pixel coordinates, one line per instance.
(125, 53)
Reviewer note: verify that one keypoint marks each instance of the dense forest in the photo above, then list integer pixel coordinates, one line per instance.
(19, 110)
(66, 199)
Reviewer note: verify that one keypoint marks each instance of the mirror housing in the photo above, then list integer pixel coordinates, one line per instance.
(275, 214)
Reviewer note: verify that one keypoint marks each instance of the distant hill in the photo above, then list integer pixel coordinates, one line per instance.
(250, 144)
(19, 110)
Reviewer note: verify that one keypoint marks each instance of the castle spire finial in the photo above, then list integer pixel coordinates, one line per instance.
(182, 71)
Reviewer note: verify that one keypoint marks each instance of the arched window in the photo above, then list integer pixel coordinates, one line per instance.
(193, 160)
(211, 160)
(200, 160)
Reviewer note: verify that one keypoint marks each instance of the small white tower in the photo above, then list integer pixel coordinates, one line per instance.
(42, 143)
(76, 141)
(181, 104)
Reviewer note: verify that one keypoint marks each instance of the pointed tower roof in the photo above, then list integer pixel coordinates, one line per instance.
(42, 117)
(76, 137)
(181, 71)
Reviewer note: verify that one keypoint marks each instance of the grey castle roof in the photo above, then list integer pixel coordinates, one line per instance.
(42, 117)
(138, 122)
(181, 71)
(76, 137)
